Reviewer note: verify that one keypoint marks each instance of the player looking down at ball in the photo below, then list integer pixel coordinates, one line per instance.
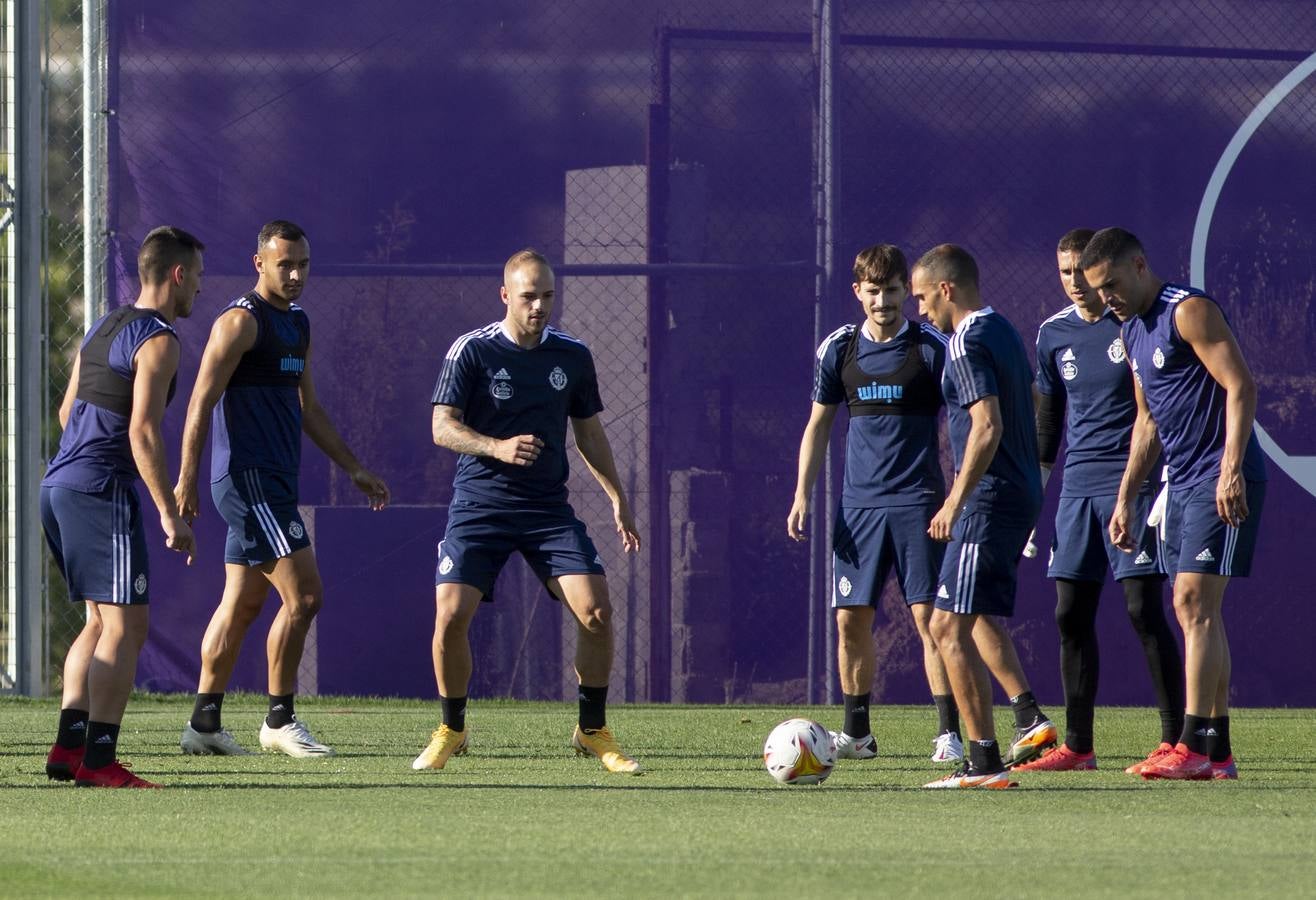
(989, 512)
(1196, 401)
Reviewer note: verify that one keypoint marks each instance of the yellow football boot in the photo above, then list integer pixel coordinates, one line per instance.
(444, 743)
(602, 744)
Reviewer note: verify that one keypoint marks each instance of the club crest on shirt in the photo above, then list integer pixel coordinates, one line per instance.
(1158, 358)
(1115, 352)
(557, 378)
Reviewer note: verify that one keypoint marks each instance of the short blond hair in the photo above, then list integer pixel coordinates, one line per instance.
(521, 258)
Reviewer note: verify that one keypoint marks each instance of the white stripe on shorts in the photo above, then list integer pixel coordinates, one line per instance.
(966, 578)
(122, 569)
(1231, 543)
(265, 516)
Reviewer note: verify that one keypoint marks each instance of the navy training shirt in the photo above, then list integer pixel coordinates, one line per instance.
(257, 423)
(1187, 404)
(1085, 363)
(94, 448)
(892, 391)
(504, 390)
(988, 359)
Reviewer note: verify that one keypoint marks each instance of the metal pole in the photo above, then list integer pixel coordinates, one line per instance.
(820, 575)
(827, 217)
(93, 160)
(23, 327)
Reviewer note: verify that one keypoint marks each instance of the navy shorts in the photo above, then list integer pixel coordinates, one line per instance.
(868, 543)
(1081, 549)
(260, 508)
(481, 537)
(98, 542)
(979, 575)
(1198, 540)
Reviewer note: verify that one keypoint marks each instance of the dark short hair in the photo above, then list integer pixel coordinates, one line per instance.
(1109, 245)
(162, 249)
(879, 264)
(950, 263)
(1075, 241)
(279, 228)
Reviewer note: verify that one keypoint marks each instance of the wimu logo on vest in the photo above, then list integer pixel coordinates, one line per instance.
(885, 392)
(292, 364)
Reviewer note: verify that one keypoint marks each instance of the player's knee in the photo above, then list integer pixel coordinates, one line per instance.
(597, 620)
(943, 630)
(305, 605)
(1190, 607)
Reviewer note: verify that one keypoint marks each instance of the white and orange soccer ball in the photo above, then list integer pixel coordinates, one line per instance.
(799, 751)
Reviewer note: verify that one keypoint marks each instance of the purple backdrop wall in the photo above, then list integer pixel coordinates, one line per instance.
(402, 134)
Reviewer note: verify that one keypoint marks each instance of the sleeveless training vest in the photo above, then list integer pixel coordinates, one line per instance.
(100, 385)
(911, 390)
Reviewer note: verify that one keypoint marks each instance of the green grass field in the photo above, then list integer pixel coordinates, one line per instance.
(521, 816)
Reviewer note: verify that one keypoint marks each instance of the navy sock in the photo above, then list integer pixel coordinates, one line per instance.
(102, 744)
(985, 756)
(1026, 710)
(856, 715)
(72, 729)
(280, 713)
(1171, 725)
(593, 707)
(1219, 747)
(1198, 733)
(206, 712)
(454, 712)
(948, 714)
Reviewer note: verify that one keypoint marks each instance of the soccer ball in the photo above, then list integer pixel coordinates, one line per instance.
(799, 751)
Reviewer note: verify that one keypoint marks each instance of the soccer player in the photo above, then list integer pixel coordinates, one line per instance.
(1197, 401)
(255, 377)
(502, 401)
(122, 378)
(1084, 390)
(989, 512)
(888, 373)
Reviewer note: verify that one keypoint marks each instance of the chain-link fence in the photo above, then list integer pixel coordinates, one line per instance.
(666, 156)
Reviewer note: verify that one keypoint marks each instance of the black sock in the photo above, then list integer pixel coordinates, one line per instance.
(1146, 608)
(206, 712)
(593, 707)
(1197, 733)
(985, 756)
(72, 732)
(948, 714)
(102, 744)
(280, 713)
(1219, 746)
(1171, 725)
(454, 712)
(1076, 617)
(1026, 710)
(856, 715)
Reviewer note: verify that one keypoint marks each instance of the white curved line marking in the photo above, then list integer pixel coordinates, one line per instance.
(1301, 469)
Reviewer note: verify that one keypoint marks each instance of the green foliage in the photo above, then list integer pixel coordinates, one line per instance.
(520, 816)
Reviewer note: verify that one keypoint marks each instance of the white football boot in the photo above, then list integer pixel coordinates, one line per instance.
(293, 739)
(854, 748)
(210, 743)
(948, 748)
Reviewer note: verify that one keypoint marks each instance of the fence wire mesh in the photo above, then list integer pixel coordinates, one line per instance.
(420, 145)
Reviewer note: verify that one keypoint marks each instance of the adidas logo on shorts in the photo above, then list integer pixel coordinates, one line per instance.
(1142, 559)
(943, 593)
(1205, 556)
